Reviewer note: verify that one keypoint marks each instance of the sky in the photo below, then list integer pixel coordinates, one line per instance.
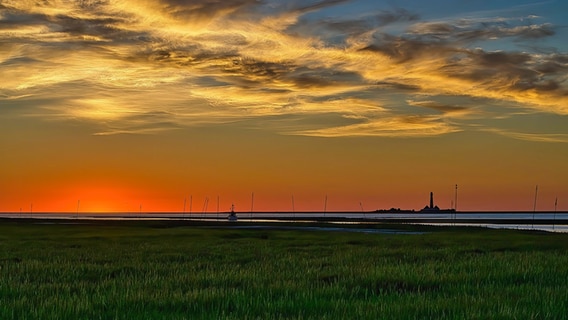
(147, 105)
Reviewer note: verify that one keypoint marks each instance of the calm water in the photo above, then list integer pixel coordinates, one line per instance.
(548, 221)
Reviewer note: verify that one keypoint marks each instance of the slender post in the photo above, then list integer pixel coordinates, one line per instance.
(456, 203)
(535, 197)
(204, 205)
(456, 199)
(293, 208)
(555, 205)
(362, 210)
(251, 204)
(325, 206)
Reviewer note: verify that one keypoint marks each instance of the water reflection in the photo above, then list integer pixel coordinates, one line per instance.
(545, 221)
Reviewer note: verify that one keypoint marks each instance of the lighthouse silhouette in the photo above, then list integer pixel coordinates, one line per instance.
(431, 207)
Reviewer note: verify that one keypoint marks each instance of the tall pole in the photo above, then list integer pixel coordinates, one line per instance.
(325, 206)
(293, 208)
(456, 199)
(251, 204)
(362, 210)
(534, 207)
(535, 197)
(456, 202)
(555, 205)
(205, 205)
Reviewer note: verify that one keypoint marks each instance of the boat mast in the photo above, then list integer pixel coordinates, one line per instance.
(534, 207)
(456, 199)
(535, 197)
(251, 204)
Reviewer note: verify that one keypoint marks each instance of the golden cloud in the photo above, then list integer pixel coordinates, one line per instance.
(242, 58)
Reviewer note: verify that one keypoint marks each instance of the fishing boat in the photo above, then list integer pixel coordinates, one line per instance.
(232, 216)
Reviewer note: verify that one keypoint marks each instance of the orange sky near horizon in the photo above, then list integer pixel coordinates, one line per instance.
(141, 171)
(141, 105)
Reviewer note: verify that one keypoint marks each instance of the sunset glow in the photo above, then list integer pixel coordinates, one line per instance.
(131, 105)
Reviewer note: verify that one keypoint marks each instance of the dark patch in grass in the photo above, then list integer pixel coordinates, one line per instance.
(101, 262)
(504, 250)
(263, 236)
(233, 235)
(176, 258)
(473, 252)
(361, 243)
(403, 287)
(329, 279)
(245, 260)
(123, 272)
(93, 276)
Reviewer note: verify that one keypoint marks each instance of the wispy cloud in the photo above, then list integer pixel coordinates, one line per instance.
(535, 137)
(151, 65)
(399, 126)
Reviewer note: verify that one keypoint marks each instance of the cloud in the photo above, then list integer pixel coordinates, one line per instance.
(401, 126)
(470, 30)
(444, 108)
(339, 31)
(534, 137)
(148, 65)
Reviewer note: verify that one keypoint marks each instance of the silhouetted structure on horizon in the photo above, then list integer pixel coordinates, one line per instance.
(394, 210)
(433, 208)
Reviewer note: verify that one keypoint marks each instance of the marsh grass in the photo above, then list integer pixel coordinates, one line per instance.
(133, 270)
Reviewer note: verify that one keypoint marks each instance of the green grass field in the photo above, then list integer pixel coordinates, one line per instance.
(155, 270)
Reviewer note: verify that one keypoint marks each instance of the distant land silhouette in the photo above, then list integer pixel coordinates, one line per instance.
(431, 208)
